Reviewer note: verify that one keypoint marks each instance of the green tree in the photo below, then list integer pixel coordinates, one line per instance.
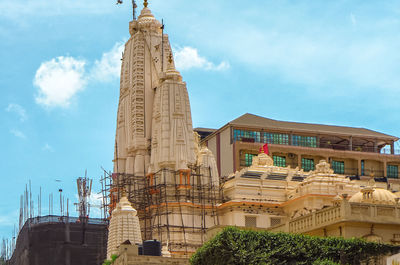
(244, 247)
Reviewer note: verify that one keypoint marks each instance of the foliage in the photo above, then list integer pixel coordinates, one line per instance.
(235, 246)
(114, 257)
(325, 262)
(109, 262)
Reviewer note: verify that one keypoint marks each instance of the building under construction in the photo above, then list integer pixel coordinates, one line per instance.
(61, 240)
(174, 207)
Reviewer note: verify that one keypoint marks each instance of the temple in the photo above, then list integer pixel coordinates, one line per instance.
(315, 179)
(171, 181)
(154, 125)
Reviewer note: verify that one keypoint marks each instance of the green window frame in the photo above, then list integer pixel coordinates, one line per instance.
(306, 141)
(392, 171)
(362, 168)
(275, 138)
(279, 161)
(338, 167)
(238, 135)
(248, 159)
(307, 164)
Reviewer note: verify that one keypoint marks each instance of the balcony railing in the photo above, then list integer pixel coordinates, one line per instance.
(324, 145)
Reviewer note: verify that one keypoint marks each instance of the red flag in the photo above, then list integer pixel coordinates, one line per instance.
(264, 149)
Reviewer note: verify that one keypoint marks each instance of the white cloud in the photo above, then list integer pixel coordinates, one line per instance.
(109, 66)
(187, 58)
(59, 80)
(19, 110)
(48, 148)
(18, 133)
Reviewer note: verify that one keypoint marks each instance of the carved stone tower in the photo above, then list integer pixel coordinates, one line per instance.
(154, 124)
(171, 182)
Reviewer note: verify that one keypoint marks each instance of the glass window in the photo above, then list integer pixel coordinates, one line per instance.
(275, 138)
(306, 141)
(338, 167)
(249, 136)
(307, 164)
(247, 159)
(362, 167)
(279, 161)
(392, 171)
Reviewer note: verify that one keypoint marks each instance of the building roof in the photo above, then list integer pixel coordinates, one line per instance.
(204, 129)
(251, 120)
(379, 196)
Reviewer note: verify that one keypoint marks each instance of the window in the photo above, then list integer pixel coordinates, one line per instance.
(307, 164)
(279, 161)
(362, 167)
(392, 171)
(246, 159)
(246, 136)
(250, 221)
(275, 221)
(338, 167)
(275, 138)
(306, 141)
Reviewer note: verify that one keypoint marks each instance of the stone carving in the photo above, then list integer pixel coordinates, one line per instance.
(124, 225)
(153, 122)
(262, 160)
(323, 167)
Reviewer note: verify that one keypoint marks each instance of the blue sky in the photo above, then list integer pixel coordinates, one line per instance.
(330, 62)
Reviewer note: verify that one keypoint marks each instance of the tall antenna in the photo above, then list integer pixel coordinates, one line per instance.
(84, 190)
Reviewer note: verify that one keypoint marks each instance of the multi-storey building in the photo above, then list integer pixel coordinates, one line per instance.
(354, 152)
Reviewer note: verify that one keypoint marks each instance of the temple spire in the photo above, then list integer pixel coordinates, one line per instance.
(145, 3)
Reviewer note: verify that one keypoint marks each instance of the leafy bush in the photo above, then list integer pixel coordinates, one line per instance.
(244, 247)
(325, 262)
(113, 258)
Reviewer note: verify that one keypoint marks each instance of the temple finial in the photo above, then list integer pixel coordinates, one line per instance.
(145, 3)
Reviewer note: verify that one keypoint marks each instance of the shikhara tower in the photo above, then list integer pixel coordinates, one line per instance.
(170, 180)
(154, 125)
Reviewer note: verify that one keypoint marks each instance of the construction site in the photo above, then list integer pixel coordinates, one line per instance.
(174, 207)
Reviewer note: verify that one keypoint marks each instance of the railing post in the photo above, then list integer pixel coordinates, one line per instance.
(345, 207)
(392, 148)
(351, 143)
(385, 169)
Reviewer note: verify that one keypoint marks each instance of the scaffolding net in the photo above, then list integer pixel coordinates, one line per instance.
(174, 207)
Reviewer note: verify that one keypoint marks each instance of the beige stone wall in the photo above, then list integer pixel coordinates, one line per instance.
(226, 152)
(128, 255)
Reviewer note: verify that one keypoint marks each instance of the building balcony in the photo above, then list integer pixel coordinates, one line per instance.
(326, 145)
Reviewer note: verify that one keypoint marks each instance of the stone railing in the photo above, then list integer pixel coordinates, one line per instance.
(345, 212)
(308, 222)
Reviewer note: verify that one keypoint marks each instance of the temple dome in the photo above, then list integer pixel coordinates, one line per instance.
(146, 18)
(375, 196)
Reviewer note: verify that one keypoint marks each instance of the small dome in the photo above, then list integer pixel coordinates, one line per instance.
(375, 196)
(373, 238)
(124, 206)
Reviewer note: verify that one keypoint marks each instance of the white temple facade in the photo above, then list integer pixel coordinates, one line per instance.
(124, 225)
(172, 182)
(154, 125)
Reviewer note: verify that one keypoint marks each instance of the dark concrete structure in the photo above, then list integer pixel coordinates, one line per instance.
(56, 240)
